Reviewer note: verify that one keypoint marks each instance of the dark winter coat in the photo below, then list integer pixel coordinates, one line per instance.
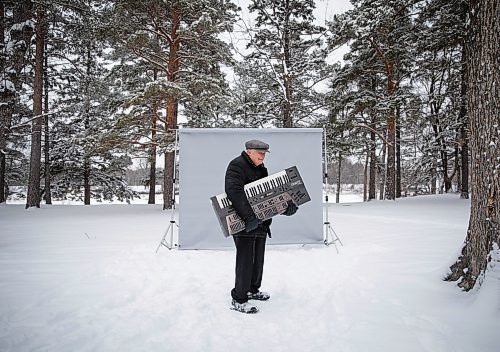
(241, 171)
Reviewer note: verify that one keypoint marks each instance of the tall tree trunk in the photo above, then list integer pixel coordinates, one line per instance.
(287, 104)
(87, 167)
(398, 152)
(6, 105)
(365, 176)
(152, 158)
(457, 172)
(172, 106)
(11, 82)
(339, 185)
(373, 166)
(390, 184)
(458, 168)
(464, 156)
(391, 158)
(382, 171)
(48, 193)
(483, 98)
(86, 181)
(5, 111)
(464, 138)
(152, 150)
(433, 175)
(373, 149)
(33, 197)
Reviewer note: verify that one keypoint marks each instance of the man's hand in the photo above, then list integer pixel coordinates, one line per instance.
(290, 209)
(251, 224)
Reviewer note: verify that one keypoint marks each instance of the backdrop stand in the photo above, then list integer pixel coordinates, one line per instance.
(170, 229)
(329, 233)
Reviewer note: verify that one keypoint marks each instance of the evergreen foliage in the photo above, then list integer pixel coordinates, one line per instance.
(123, 73)
(286, 63)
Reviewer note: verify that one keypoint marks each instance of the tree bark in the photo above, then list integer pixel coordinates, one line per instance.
(152, 158)
(373, 149)
(15, 61)
(339, 178)
(172, 106)
(390, 176)
(5, 112)
(464, 156)
(86, 181)
(47, 193)
(365, 176)
(483, 100)
(464, 138)
(382, 170)
(152, 151)
(433, 173)
(398, 152)
(373, 167)
(287, 79)
(457, 172)
(33, 197)
(87, 166)
(390, 189)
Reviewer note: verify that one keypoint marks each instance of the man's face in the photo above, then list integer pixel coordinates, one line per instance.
(256, 156)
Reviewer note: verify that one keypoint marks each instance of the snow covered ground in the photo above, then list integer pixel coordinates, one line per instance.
(75, 278)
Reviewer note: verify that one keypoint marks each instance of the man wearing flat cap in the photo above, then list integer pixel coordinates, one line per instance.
(250, 242)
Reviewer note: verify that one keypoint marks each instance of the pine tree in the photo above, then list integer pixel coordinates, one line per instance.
(16, 32)
(380, 35)
(483, 100)
(441, 74)
(180, 38)
(287, 60)
(33, 197)
(84, 160)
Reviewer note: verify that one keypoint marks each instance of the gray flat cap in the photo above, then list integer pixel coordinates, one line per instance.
(257, 145)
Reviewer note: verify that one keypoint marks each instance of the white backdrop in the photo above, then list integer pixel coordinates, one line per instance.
(203, 158)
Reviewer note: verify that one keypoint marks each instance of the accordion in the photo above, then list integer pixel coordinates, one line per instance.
(268, 197)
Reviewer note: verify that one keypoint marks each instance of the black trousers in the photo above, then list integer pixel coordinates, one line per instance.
(249, 266)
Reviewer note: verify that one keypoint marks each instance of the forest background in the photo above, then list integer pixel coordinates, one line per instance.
(117, 77)
(88, 87)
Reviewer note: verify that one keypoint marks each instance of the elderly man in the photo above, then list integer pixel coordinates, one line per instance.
(250, 243)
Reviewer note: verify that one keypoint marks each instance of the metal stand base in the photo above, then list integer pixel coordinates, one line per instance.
(170, 230)
(329, 233)
(331, 236)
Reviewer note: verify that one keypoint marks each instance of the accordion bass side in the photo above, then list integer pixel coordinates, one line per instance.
(268, 197)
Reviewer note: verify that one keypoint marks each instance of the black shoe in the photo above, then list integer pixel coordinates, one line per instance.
(259, 296)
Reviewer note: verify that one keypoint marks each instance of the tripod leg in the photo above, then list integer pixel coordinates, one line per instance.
(334, 239)
(337, 238)
(162, 242)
